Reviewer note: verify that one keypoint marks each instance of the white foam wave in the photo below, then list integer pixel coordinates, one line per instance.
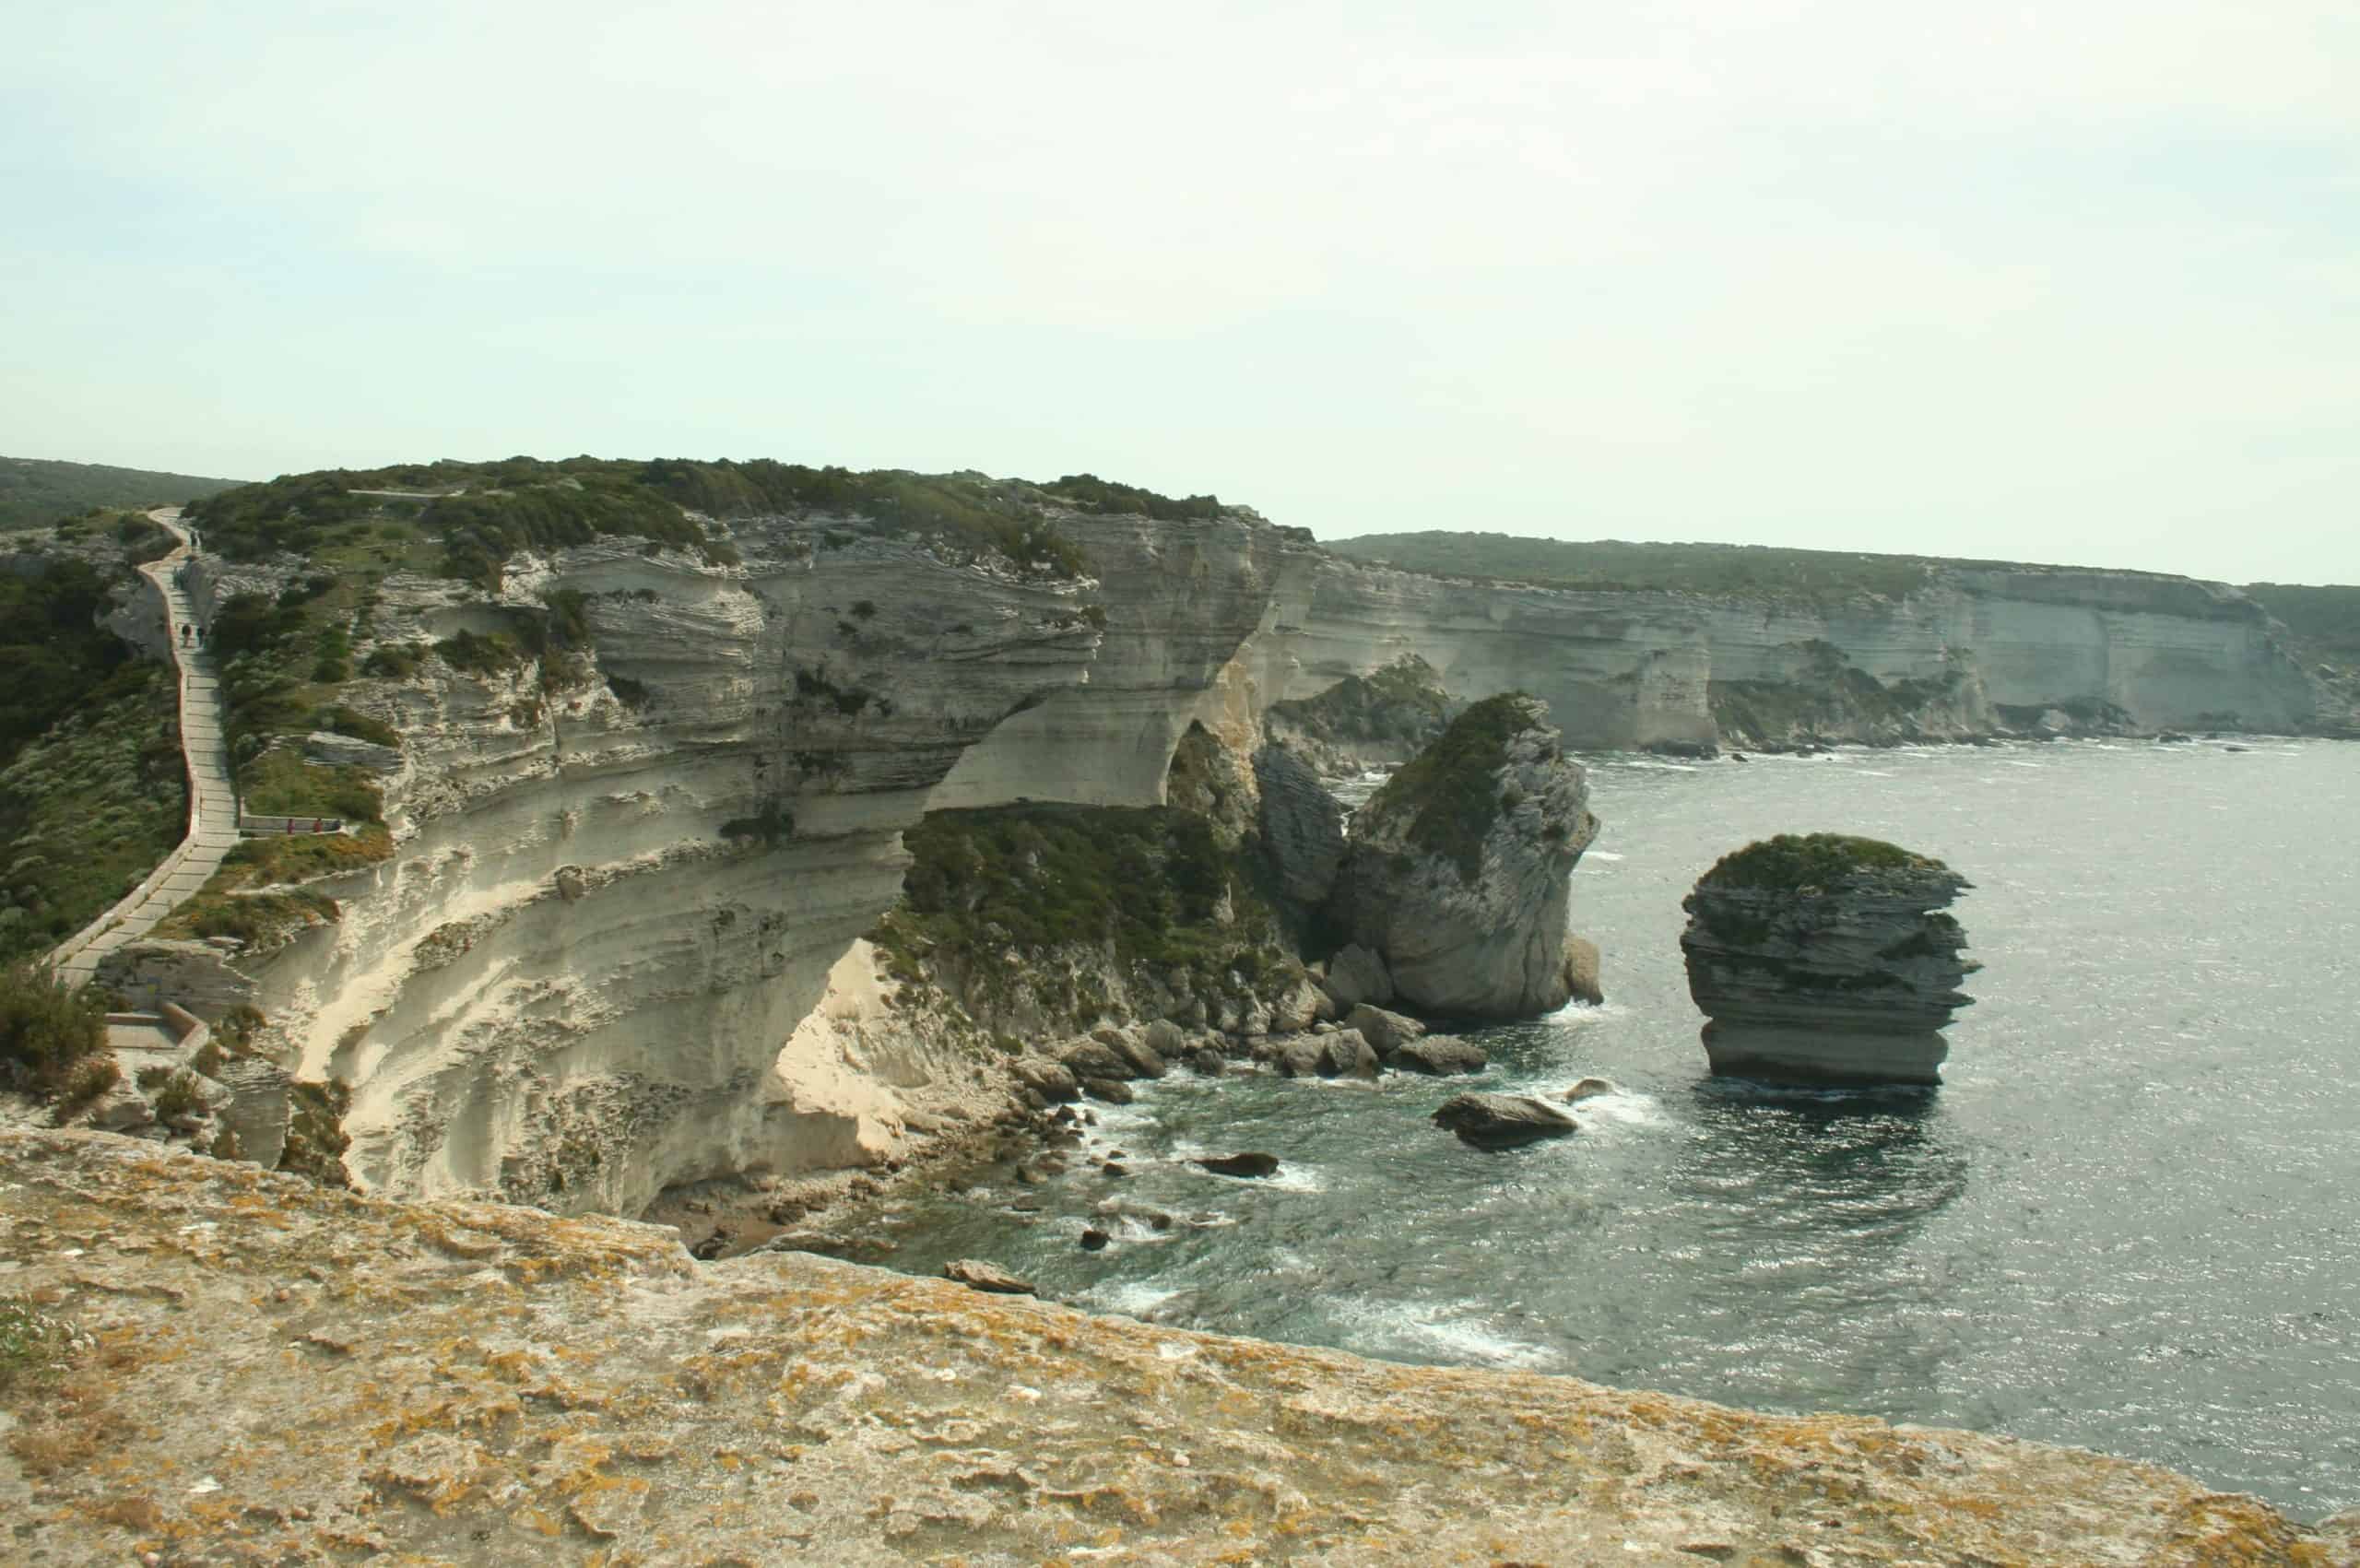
(1440, 1331)
(1131, 1298)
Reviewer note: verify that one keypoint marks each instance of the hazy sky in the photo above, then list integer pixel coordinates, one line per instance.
(2069, 281)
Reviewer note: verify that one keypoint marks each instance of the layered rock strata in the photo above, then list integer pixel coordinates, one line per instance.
(621, 881)
(1826, 959)
(1457, 874)
(1951, 659)
(269, 1372)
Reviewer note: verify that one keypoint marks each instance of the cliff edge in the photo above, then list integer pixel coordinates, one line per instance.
(270, 1372)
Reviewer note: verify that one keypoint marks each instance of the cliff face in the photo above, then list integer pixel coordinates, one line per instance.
(496, 1385)
(1941, 662)
(622, 876)
(620, 884)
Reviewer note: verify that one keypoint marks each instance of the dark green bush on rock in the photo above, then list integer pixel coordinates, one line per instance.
(1453, 785)
(1798, 862)
(47, 1028)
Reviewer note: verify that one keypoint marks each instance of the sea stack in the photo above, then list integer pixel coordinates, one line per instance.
(1826, 959)
(1457, 872)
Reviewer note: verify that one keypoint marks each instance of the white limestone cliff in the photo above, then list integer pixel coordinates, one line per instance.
(620, 882)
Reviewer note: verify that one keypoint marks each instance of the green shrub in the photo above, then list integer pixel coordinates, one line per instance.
(1452, 787)
(391, 662)
(315, 1136)
(481, 654)
(770, 824)
(179, 1097)
(342, 720)
(88, 808)
(91, 1077)
(48, 1029)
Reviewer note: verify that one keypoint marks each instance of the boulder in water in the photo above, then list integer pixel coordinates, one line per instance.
(1385, 1030)
(1090, 1059)
(1248, 1164)
(1826, 959)
(1503, 1121)
(1108, 1090)
(1348, 1054)
(1439, 1054)
(1588, 1089)
(977, 1275)
(1050, 1081)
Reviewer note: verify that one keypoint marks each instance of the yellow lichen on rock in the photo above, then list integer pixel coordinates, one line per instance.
(471, 1384)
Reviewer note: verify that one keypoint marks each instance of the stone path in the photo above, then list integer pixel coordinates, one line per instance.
(213, 800)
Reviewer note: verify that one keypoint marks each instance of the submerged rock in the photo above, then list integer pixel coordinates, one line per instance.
(1503, 1121)
(1246, 1164)
(1457, 874)
(1588, 1089)
(1826, 959)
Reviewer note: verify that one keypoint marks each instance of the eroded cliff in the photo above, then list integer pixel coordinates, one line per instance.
(651, 790)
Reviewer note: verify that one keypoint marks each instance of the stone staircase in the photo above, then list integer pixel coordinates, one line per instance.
(213, 800)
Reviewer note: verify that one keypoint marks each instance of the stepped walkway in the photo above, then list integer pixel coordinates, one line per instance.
(212, 799)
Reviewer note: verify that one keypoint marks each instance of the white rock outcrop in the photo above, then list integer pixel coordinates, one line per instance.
(1826, 959)
(1458, 873)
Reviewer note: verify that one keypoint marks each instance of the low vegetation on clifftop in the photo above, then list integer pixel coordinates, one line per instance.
(38, 491)
(1074, 907)
(1800, 862)
(1454, 784)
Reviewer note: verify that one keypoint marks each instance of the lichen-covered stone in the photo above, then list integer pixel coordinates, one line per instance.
(1825, 958)
(283, 1373)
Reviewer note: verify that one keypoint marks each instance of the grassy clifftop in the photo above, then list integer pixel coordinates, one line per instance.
(479, 513)
(36, 491)
(1801, 862)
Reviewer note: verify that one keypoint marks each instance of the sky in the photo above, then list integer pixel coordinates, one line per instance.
(2075, 282)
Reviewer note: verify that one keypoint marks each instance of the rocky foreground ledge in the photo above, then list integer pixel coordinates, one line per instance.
(286, 1374)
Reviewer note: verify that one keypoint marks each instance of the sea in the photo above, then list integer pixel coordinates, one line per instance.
(2129, 1220)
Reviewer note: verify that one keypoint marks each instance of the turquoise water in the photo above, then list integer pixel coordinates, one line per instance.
(2130, 1220)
